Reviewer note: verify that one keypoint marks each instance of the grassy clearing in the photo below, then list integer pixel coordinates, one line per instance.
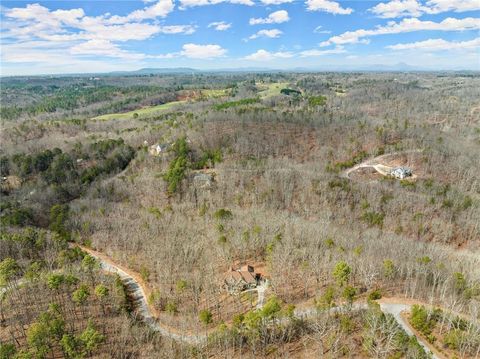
(270, 90)
(215, 93)
(140, 112)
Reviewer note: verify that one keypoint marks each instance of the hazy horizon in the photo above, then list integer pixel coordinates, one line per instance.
(64, 37)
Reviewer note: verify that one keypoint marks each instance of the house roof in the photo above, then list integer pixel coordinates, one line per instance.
(245, 273)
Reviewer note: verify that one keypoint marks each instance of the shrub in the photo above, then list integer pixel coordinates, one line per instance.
(144, 273)
(205, 316)
(453, 339)
(388, 268)
(317, 100)
(223, 213)
(271, 308)
(326, 300)
(171, 308)
(460, 282)
(7, 351)
(422, 320)
(349, 294)
(341, 273)
(373, 218)
(181, 285)
(374, 295)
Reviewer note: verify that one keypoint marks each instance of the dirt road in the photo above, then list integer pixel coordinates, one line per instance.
(139, 291)
(376, 164)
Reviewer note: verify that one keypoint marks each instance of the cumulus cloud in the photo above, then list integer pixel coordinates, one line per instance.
(401, 8)
(438, 6)
(398, 8)
(276, 17)
(195, 51)
(275, 2)
(273, 33)
(192, 3)
(406, 25)
(438, 45)
(220, 25)
(160, 9)
(264, 55)
(86, 35)
(329, 6)
(103, 48)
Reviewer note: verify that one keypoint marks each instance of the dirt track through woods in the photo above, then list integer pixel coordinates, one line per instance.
(140, 291)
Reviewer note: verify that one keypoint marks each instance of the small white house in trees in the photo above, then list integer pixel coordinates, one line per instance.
(157, 149)
(401, 172)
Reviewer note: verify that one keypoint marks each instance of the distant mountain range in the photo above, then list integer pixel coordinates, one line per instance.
(187, 70)
(399, 67)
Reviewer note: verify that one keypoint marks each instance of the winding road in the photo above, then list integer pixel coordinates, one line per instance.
(374, 163)
(138, 291)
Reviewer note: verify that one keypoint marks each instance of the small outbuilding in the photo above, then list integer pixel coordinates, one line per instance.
(401, 172)
(157, 149)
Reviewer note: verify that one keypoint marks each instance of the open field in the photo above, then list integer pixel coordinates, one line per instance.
(272, 89)
(145, 111)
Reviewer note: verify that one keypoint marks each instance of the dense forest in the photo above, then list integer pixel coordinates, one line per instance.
(289, 173)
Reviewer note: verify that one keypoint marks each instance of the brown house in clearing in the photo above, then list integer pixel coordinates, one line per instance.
(237, 280)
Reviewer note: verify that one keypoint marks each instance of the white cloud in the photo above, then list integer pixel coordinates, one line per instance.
(273, 33)
(275, 2)
(438, 45)
(195, 51)
(318, 30)
(316, 52)
(264, 55)
(85, 35)
(192, 3)
(400, 8)
(160, 9)
(103, 48)
(36, 21)
(178, 29)
(220, 25)
(406, 25)
(276, 17)
(329, 6)
(438, 6)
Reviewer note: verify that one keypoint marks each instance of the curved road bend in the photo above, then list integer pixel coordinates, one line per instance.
(140, 301)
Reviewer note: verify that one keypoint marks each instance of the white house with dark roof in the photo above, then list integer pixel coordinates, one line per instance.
(401, 172)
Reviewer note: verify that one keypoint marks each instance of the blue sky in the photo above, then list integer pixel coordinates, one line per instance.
(97, 36)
